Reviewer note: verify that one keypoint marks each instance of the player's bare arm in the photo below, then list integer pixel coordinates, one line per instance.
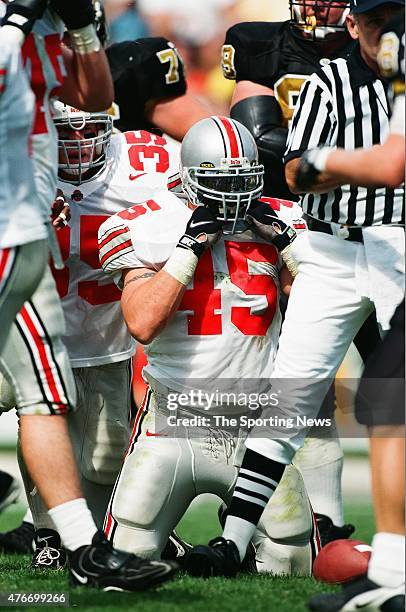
(175, 116)
(246, 89)
(88, 84)
(322, 184)
(375, 167)
(149, 301)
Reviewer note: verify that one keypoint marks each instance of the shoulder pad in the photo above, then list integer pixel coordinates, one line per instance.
(143, 70)
(144, 235)
(245, 45)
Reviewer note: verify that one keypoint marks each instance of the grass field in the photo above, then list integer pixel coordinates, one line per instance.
(247, 593)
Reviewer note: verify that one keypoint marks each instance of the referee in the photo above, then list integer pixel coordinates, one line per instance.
(350, 262)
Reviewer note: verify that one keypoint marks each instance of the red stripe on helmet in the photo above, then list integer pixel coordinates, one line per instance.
(232, 135)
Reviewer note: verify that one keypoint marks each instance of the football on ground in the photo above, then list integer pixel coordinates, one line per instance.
(342, 561)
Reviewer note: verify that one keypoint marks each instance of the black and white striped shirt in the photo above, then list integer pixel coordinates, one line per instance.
(345, 105)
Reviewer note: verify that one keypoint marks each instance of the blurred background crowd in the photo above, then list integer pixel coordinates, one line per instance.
(196, 28)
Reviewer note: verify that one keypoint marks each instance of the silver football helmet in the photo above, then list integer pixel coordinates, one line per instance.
(78, 156)
(219, 168)
(314, 17)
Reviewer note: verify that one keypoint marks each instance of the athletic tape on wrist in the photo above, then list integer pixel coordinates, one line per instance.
(85, 40)
(181, 265)
(289, 261)
(321, 158)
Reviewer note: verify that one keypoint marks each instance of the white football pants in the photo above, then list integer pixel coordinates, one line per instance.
(162, 475)
(325, 311)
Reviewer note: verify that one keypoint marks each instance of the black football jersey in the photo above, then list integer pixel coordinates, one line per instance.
(273, 55)
(144, 70)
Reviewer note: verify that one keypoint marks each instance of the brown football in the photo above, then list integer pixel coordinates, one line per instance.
(341, 561)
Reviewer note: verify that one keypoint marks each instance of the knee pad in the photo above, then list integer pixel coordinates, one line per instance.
(287, 518)
(7, 397)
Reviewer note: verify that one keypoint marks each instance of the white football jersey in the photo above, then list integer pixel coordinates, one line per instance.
(20, 216)
(43, 61)
(138, 164)
(227, 325)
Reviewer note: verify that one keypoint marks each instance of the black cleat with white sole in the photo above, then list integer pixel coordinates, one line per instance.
(101, 566)
(330, 532)
(360, 595)
(49, 553)
(19, 540)
(249, 563)
(176, 549)
(219, 558)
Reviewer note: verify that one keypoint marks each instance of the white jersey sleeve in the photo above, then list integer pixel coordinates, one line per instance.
(142, 236)
(20, 217)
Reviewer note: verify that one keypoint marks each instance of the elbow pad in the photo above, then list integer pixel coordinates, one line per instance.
(262, 115)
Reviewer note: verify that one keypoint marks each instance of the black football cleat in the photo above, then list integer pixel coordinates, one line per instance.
(360, 595)
(19, 540)
(9, 490)
(219, 558)
(176, 549)
(49, 553)
(101, 566)
(249, 564)
(330, 532)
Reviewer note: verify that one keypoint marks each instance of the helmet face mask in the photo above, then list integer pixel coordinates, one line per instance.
(81, 158)
(318, 19)
(226, 184)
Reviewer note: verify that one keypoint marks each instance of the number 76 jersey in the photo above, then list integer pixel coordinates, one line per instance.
(138, 164)
(227, 325)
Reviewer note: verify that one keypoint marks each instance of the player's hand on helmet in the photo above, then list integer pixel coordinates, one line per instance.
(22, 14)
(311, 165)
(60, 211)
(75, 14)
(202, 231)
(266, 223)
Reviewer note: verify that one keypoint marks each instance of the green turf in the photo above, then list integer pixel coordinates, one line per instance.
(247, 593)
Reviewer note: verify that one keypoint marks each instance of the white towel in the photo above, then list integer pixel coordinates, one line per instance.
(383, 281)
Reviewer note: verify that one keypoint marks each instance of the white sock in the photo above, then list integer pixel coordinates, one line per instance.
(321, 463)
(240, 532)
(387, 564)
(28, 517)
(74, 523)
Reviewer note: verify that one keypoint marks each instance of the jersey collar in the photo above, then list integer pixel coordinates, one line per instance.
(361, 74)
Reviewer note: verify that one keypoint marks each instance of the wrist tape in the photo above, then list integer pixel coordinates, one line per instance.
(85, 40)
(181, 265)
(289, 261)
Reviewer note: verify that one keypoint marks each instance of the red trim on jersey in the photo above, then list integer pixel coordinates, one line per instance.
(276, 203)
(4, 257)
(116, 233)
(45, 365)
(174, 183)
(232, 137)
(116, 249)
